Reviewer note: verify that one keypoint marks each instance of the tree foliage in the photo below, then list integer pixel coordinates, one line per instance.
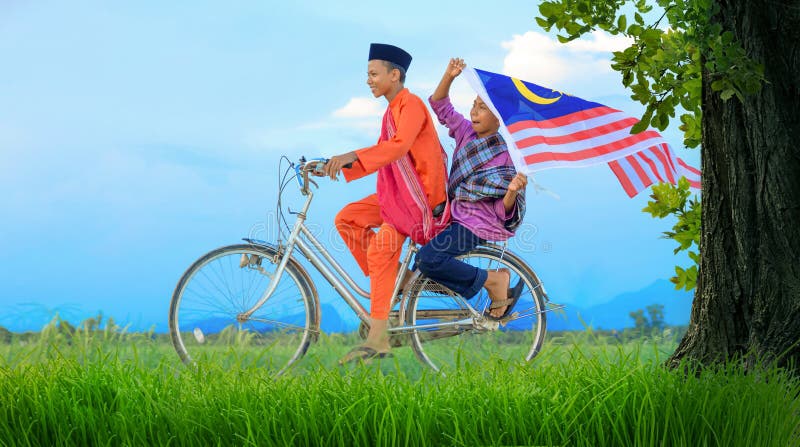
(669, 200)
(639, 320)
(654, 320)
(663, 68)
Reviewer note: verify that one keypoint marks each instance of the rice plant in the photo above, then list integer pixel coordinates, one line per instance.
(96, 387)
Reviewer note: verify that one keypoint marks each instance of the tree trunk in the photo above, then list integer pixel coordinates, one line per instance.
(747, 302)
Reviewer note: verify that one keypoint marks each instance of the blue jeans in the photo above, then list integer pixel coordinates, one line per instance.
(437, 260)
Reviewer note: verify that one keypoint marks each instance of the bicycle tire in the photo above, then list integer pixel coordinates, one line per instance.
(521, 338)
(215, 289)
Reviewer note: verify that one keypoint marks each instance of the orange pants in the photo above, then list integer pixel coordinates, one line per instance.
(377, 253)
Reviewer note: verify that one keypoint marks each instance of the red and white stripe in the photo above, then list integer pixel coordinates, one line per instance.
(584, 138)
(638, 171)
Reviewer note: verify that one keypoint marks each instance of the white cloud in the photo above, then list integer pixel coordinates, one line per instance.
(582, 65)
(360, 107)
(600, 43)
(362, 114)
(355, 123)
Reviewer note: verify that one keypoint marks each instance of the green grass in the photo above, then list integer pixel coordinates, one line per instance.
(110, 388)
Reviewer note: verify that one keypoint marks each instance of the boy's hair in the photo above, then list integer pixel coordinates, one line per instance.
(391, 66)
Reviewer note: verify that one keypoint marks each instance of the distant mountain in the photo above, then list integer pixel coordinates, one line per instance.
(614, 314)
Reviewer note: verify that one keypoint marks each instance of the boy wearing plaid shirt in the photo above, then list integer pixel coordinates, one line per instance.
(486, 198)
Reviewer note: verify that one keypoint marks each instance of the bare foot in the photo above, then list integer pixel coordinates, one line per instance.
(497, 282)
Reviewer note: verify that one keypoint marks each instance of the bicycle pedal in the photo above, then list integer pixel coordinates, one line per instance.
(512, 316)
(489, 325)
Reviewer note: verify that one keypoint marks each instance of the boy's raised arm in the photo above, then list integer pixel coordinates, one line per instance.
(454, 68)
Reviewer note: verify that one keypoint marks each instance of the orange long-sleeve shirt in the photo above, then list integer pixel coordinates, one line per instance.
(415, 134)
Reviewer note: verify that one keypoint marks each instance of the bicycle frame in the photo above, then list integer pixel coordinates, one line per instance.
(302, 238)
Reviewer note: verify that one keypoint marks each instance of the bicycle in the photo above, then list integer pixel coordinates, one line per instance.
(258, 301)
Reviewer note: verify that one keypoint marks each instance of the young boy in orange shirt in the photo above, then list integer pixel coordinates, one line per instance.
(412, 172)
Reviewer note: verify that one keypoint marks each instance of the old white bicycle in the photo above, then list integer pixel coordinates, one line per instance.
(256, 300)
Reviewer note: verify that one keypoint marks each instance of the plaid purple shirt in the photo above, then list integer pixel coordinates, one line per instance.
(485, 218)
(472, 181)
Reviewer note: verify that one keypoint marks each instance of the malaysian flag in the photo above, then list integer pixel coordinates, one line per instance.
(656, 164)
(547, 129)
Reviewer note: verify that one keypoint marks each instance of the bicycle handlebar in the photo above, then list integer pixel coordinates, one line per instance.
(314, 164)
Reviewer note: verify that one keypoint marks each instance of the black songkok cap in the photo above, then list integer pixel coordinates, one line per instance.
(390, 53)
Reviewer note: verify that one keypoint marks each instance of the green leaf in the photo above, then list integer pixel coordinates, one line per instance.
(622, 23)
(547, 9)
(635, 30)
(640, 126)
(726, 38)
(680, 278)
(656, 121)
(544, 24)
(627, 78)
(573, 28)
(651, 36)
(726, 94)
(718, 85)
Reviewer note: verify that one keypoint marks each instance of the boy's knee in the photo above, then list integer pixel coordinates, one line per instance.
(341, 217)
(342, 221)
(425, 268)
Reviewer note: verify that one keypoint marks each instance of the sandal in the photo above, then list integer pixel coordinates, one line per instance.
(363, 354)
(514, 293)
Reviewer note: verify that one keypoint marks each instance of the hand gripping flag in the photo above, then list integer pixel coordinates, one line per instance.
(547, 129)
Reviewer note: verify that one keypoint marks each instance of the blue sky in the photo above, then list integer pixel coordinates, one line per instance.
(135, 137)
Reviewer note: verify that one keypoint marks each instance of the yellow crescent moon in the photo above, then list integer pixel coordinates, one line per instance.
(533, 97)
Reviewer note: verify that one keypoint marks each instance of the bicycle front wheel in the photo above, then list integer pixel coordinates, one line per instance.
(451, 337)
(205, 319)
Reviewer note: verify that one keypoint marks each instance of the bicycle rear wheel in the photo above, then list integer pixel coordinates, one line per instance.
(473, 341)
(228, 281)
